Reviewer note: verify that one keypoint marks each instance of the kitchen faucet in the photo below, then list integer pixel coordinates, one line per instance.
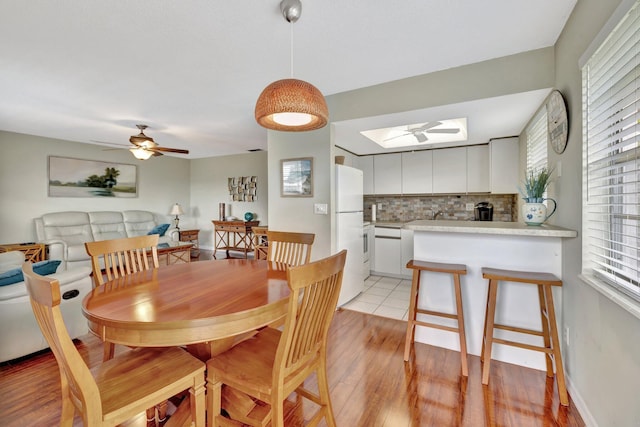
(435, 215)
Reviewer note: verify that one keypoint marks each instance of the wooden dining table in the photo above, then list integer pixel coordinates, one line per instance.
(206, 305)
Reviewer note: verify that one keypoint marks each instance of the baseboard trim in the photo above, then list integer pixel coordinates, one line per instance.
(581, 405)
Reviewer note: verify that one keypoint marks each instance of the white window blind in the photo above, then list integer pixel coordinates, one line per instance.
(611, 153)
(536, 133)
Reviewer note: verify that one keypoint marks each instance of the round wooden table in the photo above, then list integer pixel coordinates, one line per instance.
(205, 305)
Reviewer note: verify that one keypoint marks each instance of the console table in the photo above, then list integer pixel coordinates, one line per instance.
(234, 236)
(33, 252)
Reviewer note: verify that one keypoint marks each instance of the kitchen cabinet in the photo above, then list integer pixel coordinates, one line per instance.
(478, 165)
(417, 176)
(406, 251)
(387, 175)
(450, 170)
(387, 257)
(504, 170)
(365, 164)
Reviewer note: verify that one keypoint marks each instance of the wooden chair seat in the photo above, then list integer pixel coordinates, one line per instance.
(272, 365)
(122, 387)
(121, 257)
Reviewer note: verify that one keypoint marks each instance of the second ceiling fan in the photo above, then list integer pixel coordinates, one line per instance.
(145, 147)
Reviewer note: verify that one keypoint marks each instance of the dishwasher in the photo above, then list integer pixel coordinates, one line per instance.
(387, 251)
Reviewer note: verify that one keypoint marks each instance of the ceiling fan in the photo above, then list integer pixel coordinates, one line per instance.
(143, 146)
(420, 132)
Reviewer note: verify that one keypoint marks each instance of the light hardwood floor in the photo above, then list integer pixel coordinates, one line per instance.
(370, 384)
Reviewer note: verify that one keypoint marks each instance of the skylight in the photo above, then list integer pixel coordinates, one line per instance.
(419, 134)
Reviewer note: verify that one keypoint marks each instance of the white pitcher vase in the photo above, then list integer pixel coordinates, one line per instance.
(534, 211)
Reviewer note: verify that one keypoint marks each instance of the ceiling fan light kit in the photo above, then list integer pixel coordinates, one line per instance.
(141, 153)
(291, 104)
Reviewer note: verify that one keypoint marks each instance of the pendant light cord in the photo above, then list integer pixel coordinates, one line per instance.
(291, 47)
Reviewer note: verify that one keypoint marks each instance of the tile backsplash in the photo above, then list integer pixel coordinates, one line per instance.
(453, 207)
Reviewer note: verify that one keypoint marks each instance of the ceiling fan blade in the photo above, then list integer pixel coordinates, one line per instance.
(110, 143)
(443, 130)
(156, 153)
(425, 126)
(398, 136)
(169, 150)
(421, 137)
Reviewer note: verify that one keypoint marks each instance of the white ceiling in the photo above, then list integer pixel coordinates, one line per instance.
(85, 70)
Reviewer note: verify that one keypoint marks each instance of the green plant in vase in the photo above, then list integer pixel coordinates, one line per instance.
(535, 184)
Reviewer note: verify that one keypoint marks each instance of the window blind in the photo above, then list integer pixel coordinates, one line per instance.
(536, 133)
(611, 153)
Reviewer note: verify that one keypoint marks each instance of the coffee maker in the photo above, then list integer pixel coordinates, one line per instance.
(483, 211)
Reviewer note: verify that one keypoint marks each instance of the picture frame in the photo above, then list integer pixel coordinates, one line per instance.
(71, 177)
(296, 177)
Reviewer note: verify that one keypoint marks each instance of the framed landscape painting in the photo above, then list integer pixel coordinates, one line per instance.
(69, 177)
(297, 177)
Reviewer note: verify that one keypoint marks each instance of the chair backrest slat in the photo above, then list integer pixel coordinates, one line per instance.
(289, 247)
(45, 299)
(315, 288)
(122, 257)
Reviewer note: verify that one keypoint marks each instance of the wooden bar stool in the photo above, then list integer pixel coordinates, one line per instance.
(454, 269)
(549, 332)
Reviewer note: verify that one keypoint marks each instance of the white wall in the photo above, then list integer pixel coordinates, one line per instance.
(297, 213)
(162, 181)
(209, 188)
(603, 355)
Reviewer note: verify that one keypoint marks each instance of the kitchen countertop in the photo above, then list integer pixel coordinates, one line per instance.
(389, 224)
(489, 227)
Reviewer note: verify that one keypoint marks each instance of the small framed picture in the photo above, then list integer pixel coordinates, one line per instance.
(297, 177)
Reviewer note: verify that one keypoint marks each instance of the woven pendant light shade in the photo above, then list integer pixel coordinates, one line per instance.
(291, 96)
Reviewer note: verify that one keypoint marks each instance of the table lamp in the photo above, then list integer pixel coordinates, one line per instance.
(176, 210)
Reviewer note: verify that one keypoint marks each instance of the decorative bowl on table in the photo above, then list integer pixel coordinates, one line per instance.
(248, 216)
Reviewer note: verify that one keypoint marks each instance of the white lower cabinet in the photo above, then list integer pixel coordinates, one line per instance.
(393, 249)
(387, 251)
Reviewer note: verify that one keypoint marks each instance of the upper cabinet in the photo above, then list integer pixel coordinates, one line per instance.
(365, 163)
(505, 174)
(478, 163)
(387, 175)
(450, 170)
(484, 168)
(417, 168)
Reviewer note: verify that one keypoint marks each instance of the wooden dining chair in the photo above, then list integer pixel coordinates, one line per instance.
(122, 387)
(122, 257)
(289, 248)
(273, 364)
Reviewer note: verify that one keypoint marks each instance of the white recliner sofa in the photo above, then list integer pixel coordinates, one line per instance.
(66, 232)
(19, 331)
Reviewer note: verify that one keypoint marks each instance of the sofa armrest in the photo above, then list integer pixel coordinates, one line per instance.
(70, 275)
(58, 249)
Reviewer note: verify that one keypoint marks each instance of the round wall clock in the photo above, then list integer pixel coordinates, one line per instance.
(557, 123)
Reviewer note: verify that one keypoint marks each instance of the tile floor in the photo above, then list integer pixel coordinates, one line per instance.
(383, 296)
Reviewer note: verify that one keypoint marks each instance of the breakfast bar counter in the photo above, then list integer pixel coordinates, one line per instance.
(477, 244)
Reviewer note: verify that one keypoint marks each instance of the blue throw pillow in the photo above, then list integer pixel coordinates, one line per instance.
(42, 268)
(47, 267)
(159, 229)
(10, 277)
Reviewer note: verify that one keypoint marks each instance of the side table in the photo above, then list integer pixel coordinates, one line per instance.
(192, 237)
(33, 252)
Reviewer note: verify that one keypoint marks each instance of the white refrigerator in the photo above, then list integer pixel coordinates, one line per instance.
(350, 229)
